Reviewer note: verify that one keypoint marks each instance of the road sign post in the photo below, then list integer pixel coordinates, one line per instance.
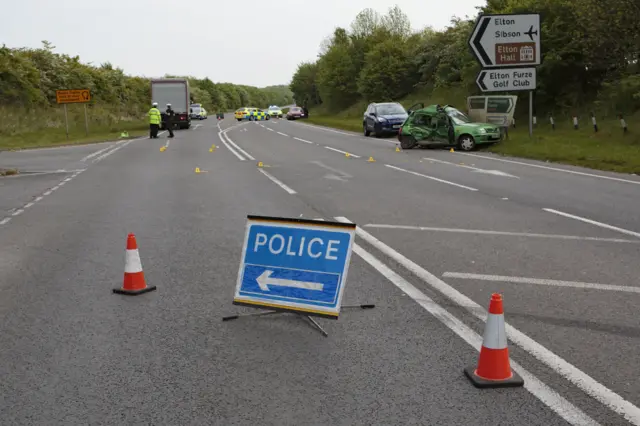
(294, 265)
(508, 48)
(76, 96)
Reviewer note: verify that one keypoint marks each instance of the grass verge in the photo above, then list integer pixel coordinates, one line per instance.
(608, 149)
(8, 172)
(57, 136)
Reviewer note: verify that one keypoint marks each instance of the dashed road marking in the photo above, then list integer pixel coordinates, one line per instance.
(277, 182)
(283, 134)
(431, 177)
(342, 152)
(593, 222)
(303, 140)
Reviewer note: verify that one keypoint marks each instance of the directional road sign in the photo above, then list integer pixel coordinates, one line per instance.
(294, 265)
(506, 40)
(507, 79)
(73, 96)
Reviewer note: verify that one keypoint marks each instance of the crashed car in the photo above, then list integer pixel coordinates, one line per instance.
(445, 126)
(295, 113)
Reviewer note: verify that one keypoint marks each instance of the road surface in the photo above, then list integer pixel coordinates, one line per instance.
(438, 232)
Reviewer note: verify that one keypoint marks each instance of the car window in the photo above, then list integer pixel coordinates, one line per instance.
(457, 116)
(421, 119)
(389, 109)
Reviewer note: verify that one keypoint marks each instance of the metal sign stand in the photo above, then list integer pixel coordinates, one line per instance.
(313, 322)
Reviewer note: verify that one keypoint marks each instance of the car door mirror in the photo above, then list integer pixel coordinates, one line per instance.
(373, 114)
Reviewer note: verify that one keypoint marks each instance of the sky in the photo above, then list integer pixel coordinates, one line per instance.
(257, 43)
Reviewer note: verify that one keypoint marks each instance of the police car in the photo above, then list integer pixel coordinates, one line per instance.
(275, 111)
(251, 114)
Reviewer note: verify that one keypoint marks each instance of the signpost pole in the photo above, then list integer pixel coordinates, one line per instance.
(66, 120)
(86, 120)
(530, 113)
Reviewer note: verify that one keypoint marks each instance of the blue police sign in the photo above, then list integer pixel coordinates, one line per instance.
(294, 265)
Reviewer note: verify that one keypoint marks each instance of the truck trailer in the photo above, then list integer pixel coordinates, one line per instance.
(175, 92)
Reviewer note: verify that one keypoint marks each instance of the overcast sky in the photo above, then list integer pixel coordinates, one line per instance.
(257, 43)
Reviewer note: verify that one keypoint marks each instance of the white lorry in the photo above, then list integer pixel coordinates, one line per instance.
(175, 92)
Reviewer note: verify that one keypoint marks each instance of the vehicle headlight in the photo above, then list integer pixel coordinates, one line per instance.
(382, 119)
(481, 130)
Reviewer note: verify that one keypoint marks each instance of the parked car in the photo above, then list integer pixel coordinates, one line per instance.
(275, 111)
(445, 126)
(295, 113)
(383, 118)
(197, 112)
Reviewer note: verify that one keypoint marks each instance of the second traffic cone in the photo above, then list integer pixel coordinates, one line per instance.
(494, 370)
(134, 282)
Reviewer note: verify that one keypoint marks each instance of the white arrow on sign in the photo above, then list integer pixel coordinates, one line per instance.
(503, 40)
(265, 280)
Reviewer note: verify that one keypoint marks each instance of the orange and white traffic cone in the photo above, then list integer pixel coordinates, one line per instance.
(134, 282)
(494, 370)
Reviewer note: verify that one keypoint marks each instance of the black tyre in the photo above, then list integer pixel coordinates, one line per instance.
(365, 130)
(408, 142)
(466, 143)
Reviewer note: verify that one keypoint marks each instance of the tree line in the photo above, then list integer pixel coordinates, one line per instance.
(30, 77)
(590, 57)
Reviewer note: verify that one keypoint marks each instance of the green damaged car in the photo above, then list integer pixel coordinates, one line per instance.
(445, 126)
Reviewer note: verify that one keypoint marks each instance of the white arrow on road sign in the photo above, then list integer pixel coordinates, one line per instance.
(265, 280)
(503, 40)
(507, 79)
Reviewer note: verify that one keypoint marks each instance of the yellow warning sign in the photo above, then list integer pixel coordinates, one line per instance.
(79, 96)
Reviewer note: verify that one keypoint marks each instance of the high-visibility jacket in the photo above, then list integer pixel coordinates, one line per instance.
(154, 116)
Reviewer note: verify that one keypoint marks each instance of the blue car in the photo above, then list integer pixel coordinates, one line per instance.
(383, 119)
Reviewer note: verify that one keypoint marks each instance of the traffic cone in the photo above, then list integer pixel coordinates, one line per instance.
(494, 370)
(197, 170)
(134, 282)
(347, 155)
(371, 160)
(397, 149)
(451, 150)
(260, 164)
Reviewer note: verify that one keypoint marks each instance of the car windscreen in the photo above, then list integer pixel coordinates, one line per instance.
(296, 109)
(196, 109)
(390, 109)
(457, 116)
(274, 108)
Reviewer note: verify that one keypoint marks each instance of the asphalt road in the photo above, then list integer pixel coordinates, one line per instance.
(438, 232)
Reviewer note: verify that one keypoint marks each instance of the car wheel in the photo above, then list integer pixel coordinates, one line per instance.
(466, 143)
(365, 130)
(408, 142)
(239, 119)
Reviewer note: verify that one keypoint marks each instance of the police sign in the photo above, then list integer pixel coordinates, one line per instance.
(294, 265)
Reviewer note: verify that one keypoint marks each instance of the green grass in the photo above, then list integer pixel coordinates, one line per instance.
(608, 150)
(57, 136)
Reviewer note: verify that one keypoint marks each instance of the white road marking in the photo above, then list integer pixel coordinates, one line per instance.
(108, 153)
(240, 157)
(340, 173)
(271, 130)
(88, 157)
(245, 153)
(505, 233)
(535, 386)
(540, 281)
(586, 383)
(47, 193)
(283, 134)
(196, 126)
(302, 140)
(431, 177)
(475, 169)
(277, 182)
(26, 206)
(17, 212)
(38, 199)
(342, 152)
(593, 222)
(555, 169)
(5, 221)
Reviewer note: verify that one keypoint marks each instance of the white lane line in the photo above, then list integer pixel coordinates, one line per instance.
(38, 199)
(431, 177)
(90, 156)
(106, 154)
(342, 152)
(535, 386)
(245, 153)
(283, 134)
(505, 233)
(233, 151)
(302, 140)
(555, 169)
(277, 182)
(593, 222)
(475, 169)
(17, 212)
(271, 130)
(26, 206)
(47, 193)
(5, 221)
(541, 281)
(55, 188)
(586, 383)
